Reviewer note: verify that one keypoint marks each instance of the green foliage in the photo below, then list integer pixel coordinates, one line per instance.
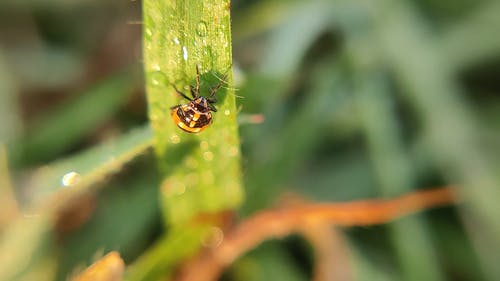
(360, 99)
(202, 172)
(91, 166)
(65, 126)
(203, 169)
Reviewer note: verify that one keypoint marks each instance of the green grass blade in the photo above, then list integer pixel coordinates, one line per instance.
(201, 171)
(66, 125)
(395, 174)
(204, 168)
(30, 239)
(448, 123)
(299, 145)
(89, 167)
(460, 42)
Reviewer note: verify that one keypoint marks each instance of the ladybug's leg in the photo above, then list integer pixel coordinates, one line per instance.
(181, 93)
(214, 90)
(212, 99)
(213, 108)
(194, 94)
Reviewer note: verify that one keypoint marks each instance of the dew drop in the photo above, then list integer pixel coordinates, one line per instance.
(148, 32)
(180, 189)
(165, 187)
(176, 41)
(204, 145)
(208, 156)
(184, 53)
(156, 66)
(70, 178)
(175, 139)
(157, 78)
(154, 117)
(232, 151)
(191, 162)
(201, 29)
(192, 179)
(214, 238)
(227, 112)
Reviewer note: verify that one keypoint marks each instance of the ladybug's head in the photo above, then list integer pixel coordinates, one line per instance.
(201, 104)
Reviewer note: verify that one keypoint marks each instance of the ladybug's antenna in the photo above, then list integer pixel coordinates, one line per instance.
(214, 90)
(222, 80)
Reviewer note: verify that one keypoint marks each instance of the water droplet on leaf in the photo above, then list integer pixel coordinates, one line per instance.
(184, 53)
(70, 178)
(201, 29)
(157, 78)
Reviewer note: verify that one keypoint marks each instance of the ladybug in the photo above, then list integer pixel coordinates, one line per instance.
(196, 115)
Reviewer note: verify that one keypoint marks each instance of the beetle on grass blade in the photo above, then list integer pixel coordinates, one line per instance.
(196, 115)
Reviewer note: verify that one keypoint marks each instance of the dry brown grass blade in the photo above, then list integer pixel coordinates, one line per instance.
(281, 222)
(108, 268)
(331, 254)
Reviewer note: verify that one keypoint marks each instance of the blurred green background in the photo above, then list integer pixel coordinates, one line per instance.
(360, 99)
